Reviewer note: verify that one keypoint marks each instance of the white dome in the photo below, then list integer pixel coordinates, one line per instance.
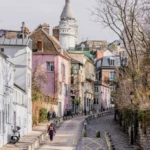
(67, 11)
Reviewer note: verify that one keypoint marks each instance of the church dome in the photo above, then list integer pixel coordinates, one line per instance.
(67, 11)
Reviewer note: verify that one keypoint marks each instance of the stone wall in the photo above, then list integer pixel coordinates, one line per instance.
(144, 138)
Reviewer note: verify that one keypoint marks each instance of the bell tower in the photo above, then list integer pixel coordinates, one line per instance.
(68, 28)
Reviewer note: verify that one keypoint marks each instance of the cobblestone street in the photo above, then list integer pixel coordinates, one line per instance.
(108, 124)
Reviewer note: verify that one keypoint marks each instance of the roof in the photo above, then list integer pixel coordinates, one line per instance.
(76, 61)
(67, 11)
(17, 86)
(20, 42)
(55, 43)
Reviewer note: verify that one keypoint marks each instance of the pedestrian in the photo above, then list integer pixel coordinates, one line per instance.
(53, 115)
(51, 131)
(49, 116)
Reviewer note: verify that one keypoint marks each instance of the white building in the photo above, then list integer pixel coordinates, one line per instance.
(20, 55)
(6, 98)
(68, 28)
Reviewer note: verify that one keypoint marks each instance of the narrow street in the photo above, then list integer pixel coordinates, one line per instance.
(69, 133)
(66, 137)
(107, 123)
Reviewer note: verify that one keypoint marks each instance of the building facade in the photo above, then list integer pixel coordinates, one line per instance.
(55, 65)
(87, 80)
(18, 52)
(93, 45)
(68, 28)
(106, 68)
(76, 91)
(6, 98)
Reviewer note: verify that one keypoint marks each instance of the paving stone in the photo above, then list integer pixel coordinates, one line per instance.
(107, 123)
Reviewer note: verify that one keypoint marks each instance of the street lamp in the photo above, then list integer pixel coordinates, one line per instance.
(132, 134)
(131, 97)
(85, 101)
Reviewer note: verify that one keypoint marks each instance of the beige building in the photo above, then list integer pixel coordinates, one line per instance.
(93, 45)
(83, 73)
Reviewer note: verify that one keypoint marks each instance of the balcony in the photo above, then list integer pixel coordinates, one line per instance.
(90, 77)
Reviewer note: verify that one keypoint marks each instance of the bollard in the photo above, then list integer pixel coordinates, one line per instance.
(84, 134)
(85, 125)
(112, 146)
(98, 134)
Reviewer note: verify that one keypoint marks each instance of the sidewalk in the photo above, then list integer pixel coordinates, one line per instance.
(67, 136)
(34, 139)
(30, 141)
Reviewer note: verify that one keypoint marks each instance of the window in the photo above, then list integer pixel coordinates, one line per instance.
(39, 45)
(87, 102)
(97, 76)
(7, 112)
(66, 90)
(97, 101)
(112, 88)
(1, 121)
(96, 89)
(50, 66)
(63, 70)
(60, 88)
(94, 101)
(72, 80)
(22, 99)
(112, 62)
(112, 76)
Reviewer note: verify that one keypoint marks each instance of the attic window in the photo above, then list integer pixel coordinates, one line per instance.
(39, 45)
(112, 62)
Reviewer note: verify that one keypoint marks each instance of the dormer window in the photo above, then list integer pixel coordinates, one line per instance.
(112, 62)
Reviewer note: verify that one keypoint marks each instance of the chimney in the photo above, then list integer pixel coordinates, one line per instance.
(46, 27)
(22, 29)
(56, 33)
(25, 31)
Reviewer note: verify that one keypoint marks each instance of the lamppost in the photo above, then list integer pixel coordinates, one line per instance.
(132, 115)
(85, 101)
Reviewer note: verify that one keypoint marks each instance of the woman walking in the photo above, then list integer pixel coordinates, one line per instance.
(51, 131)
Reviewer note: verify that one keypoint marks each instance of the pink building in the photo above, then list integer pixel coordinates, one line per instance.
(54, 64)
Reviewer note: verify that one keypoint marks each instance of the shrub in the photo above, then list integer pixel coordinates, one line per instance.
(34, 120)
(43, 114)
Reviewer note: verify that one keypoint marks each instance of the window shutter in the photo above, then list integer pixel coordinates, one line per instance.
(3, 120)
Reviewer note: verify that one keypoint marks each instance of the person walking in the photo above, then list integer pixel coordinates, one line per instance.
(51, 131)
(49, 116)
(53, 115)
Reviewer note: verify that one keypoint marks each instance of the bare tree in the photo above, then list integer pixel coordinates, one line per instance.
(129, 19)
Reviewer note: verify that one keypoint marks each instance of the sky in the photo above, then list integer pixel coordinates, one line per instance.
(35, 12)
